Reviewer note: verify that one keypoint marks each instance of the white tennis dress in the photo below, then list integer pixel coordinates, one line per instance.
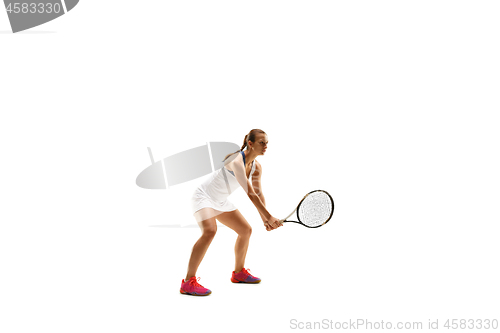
(213, 192)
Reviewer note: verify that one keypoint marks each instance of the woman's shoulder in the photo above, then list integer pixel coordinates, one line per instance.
(257, 165)
(234, 158)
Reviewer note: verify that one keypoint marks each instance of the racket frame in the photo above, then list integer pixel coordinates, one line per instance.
(300, 203)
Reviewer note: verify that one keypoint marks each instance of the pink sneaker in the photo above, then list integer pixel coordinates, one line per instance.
(244, 277)
(192, 287)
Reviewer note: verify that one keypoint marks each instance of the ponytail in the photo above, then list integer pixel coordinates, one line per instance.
(249, 137)
(244, 143)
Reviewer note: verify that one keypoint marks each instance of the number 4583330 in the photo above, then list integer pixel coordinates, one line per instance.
(471, 324)
(33, 8)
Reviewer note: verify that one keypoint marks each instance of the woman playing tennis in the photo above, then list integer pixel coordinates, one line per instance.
(209, 202)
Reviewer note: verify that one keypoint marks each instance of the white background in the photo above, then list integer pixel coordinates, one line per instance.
(389, 105)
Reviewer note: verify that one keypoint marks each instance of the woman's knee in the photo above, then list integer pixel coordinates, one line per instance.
(209, 232)
(208, 228)
(246, 231)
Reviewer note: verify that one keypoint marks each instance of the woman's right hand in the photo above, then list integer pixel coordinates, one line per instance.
(272, 223)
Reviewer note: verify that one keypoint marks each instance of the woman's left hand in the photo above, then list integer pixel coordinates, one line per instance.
(269, 227)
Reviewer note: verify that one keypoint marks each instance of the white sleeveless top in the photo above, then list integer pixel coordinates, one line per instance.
(213, 192)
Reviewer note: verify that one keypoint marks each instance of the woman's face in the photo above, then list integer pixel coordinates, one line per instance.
(260, 144)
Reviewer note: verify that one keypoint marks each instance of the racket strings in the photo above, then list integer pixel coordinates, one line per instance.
(316, 209)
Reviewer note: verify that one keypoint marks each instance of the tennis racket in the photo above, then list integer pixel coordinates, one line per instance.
(314, 210)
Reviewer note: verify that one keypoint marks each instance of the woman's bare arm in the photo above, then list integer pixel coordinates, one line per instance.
(236, 165)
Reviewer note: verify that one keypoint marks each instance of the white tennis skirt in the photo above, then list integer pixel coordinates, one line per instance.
(201, 200)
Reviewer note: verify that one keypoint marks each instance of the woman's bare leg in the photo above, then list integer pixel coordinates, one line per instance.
(237, 222)
(208, 225)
